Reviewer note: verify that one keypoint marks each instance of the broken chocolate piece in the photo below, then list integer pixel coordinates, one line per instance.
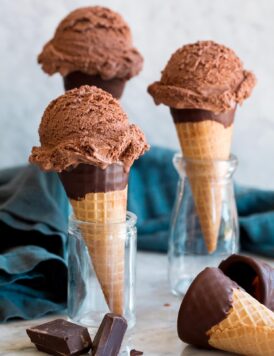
(60, 337)
(135, 352)
(109, 337)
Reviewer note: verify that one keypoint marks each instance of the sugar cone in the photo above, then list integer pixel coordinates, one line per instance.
(248, 329)
(105, 242)
(100, 197)
(206, 140)
(254, 276)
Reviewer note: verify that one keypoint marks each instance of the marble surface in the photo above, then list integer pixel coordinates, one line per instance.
(155, 332)
(159, 28)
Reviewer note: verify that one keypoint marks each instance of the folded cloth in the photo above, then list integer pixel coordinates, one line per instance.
(33, 234)
(33, 229)
(256, 218)
(152, 190)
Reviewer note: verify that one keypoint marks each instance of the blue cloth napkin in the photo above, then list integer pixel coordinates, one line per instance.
(33, 229)
(33, 233)
(152, 189)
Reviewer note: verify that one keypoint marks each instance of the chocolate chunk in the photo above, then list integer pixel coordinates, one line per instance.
(136, 352)
(109, 337)
(60, 337)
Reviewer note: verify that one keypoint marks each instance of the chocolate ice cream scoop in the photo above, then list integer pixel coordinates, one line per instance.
(204, 75)
(255, 276)
(206, 303)
(94, 41)
(86, 125)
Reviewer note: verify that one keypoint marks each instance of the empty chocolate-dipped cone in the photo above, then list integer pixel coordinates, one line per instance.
(254, 276)
(114, 86)
(216, 312)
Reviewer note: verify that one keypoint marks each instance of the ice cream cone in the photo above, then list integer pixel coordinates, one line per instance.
(205, 139)
(86, 137)
(254, 276)
(247, 330)
(216, 312)
(202, 83)
(106, 209)
(114, 86)
(105, 241)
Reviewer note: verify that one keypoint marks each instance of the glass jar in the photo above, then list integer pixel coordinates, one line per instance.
(101, 270)
(204, 225)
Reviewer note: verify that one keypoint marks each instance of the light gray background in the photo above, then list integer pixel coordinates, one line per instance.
(159, 27)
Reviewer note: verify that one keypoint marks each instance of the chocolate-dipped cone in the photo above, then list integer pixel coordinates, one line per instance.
(202, 83)
(215, 312)
(205, 136)
(100, 196)
(87, 138)
(254, 276)
(113, 86)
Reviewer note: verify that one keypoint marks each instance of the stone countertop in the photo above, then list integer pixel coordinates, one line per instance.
(155, 332)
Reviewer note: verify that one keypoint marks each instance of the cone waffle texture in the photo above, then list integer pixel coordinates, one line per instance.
(248, 329)
(106, 240)
(206, 140)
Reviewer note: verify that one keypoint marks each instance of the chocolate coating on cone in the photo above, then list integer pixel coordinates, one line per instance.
(206, 303)
(196, 115)
(113, 86)
(256, 277)
(86, 178)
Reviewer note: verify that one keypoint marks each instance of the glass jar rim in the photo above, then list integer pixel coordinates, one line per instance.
(131, 220)
(232, 160)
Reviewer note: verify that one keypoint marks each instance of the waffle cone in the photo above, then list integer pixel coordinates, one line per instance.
(105, 241)
(248, 329)
(206, 140)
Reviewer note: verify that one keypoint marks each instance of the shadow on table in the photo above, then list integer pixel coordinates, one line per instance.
(193, 351)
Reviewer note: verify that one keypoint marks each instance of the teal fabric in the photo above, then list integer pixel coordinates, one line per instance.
(33, 236)
(256, 218)
(152, 190)
(33, 229)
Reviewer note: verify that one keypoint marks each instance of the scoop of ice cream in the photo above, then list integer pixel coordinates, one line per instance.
(203, 75)
(93, 40)
(86, 125)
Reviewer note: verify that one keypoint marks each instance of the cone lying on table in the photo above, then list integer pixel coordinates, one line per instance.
(216, 312)
(254, 276)
(205, 136)
(100, 197)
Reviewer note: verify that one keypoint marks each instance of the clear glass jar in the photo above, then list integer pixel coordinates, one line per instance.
(93, 268)
(205, 201)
